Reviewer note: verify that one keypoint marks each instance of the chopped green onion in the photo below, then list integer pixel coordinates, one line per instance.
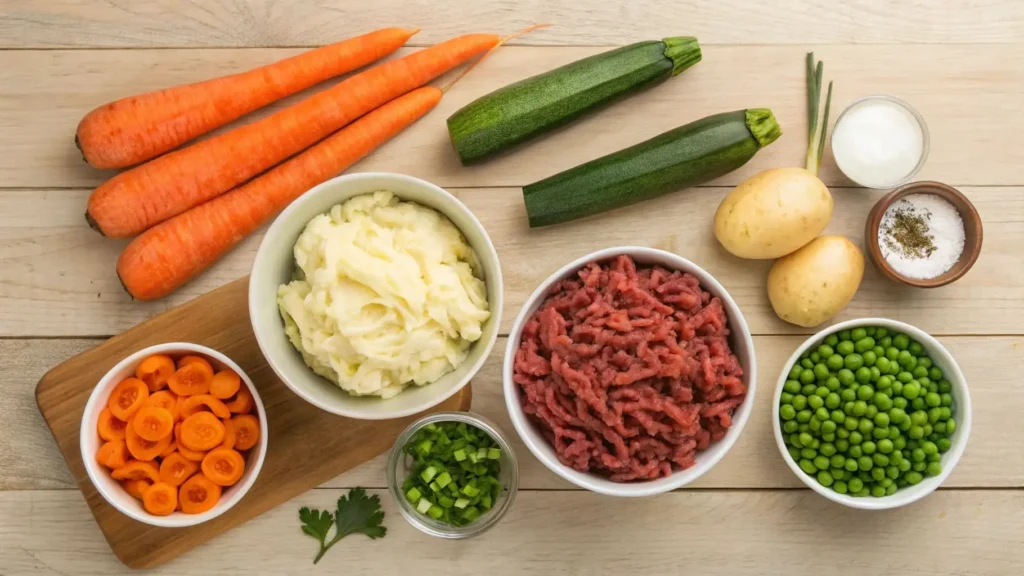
(435, 512)
(481, 454)
(435, 487)
(473, 457)
(424, 447)
(445, 502)
(471, 513)
(428, 474)
(494, 453)
(413, 495)
(459, 455)
(461, 503)
(443, 479)
(486, 501)
(423, 506)
(470, 490)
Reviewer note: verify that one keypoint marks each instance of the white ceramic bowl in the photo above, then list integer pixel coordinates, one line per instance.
(111, 489)
(962, 414)
(275, 263)
(742, 347)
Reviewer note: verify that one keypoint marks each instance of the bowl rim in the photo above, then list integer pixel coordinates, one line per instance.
(963, 206)
(495, 307)
(906, 495)
(594, 482)
(177, 519)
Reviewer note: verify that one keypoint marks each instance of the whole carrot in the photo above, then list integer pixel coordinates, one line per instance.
(134, 129)
(139, 198)
(173, 252)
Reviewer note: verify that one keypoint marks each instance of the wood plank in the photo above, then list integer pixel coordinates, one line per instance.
(163, 23)
(58, 276)
(969, 94)
(721, 533)
(30, 460)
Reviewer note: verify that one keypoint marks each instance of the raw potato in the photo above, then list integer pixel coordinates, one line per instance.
(812, 284)
(773, 213)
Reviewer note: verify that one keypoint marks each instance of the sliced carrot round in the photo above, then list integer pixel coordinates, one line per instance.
(155, 371)
(243, 402)
(164, 399)
(134, 469)
(229, 435)
(113, 454)
(223, 466)
(127, 397)
(175, 469)
(225, 384)
(109, 427)
(198, 494)
(177, 408)
(193, 359)
(160, 499)
(196, 403)
(202, 431)
(191, 379)
(142, 449)
(153, 423)
(247, 431)
(136, 488)
(193, 455)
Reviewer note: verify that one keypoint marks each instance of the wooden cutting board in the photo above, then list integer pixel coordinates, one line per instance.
(306, 446)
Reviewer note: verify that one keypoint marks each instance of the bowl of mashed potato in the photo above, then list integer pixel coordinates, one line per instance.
(376, 296)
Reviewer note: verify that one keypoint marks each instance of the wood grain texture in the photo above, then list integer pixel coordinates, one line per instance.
(58, 275)
(969, 95)
(30, 460)
(309, 445)
(209, 23)
(798, 533)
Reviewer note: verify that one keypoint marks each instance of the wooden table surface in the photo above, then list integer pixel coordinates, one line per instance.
(958, 61)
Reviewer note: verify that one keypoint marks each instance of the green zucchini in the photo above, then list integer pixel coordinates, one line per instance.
(520, 111)
(686, 156)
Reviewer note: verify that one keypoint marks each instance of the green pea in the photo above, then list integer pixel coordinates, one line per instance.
(825, 351)
(855, 484)
(807, 363)
(918, 455)
(891, 354)
(806, 439)
(920, 372)
(820, 371)
(929, 448)
(834, 362)
(944, 444)
(877, 474)
(900, 443)
(896, 456)
(814, 424)
(919, 466)
(789, 426)
(915, 348)
(837, 460)
(864, 344)
(815, 357)
(914, 478)
(879, 433)
(918, 403)
(916, 432)
(807, 375)
(880, 460)
(934, 373)
(822, 392)
(863, 375)
(831, 340)
(851, 464)
(799, 401)
(807, 466)
(866, 426)
(879, 332)
(901, 341)
(945, 386)
(838, 416)
(869, 447)
(882, 419)
(787, 411)
(848, 395)
(843, 444)
(803, 416)
(840, 487)
(934, 415)
(832, 383)
(794, 452)
(808, 453)
(905, 465)
(860, 408)
(808, 389)
(877, 492)
(871, 411)
(870, 358)
(815, 402)
(934, 457)
(909, 364)
(851, 423)
(855, 452)
(844, 335)
(827, 449)
(828, 427)
(845, 348)
(823, 413)
(856, 437)
(821, 463)
(884, 341)
(846, 377)
(858, 333)
(897, 415)
(950, 426)
(837, 473)
(785, 398)
(832, 401)
(947, 413)
(933, 469)
(824, 478)
(883, 402)
(853, 361)
(945, 399)
(865, 463)
(911, 390)
(794, 372)
(900, 402)
(940, 429)
(882, 363)
(828, 437)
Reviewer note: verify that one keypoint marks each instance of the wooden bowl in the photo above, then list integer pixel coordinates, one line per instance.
(972, 230)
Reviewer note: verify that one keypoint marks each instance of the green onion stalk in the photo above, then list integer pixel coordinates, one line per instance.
(816, 132)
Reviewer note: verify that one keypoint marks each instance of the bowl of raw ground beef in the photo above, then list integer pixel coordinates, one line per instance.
(630, 372)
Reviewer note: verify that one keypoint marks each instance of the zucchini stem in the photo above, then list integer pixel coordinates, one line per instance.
(816, 132)
(683, 51)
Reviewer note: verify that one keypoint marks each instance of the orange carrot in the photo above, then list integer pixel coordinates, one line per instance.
(170, 254)
(137, 128)
(139, 198)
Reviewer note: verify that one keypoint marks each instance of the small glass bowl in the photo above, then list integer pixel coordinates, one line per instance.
(398, 469)
(925, 144)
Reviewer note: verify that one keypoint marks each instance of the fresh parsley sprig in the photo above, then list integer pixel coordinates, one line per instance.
(356, 513)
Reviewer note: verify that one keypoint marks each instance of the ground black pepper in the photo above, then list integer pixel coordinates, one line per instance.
(907, 234)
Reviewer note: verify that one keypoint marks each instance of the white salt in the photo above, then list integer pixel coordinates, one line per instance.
(943, 228)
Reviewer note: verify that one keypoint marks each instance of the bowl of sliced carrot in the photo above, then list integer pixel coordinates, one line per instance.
(174, 435)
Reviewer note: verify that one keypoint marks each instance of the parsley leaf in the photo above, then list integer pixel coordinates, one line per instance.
(356, 513)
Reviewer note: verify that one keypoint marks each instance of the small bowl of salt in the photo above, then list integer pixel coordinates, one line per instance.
(925, 234)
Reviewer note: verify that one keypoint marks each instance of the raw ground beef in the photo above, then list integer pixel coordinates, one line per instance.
(627, 372)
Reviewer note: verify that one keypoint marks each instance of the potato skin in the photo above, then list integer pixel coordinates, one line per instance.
(814, 283)
(773, 213)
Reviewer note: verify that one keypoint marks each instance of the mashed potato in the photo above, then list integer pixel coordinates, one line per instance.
(386, 294)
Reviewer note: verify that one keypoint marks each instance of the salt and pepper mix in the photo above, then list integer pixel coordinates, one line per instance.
(921, 236)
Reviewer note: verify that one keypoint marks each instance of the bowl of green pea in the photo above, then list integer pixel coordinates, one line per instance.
(872, 413)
